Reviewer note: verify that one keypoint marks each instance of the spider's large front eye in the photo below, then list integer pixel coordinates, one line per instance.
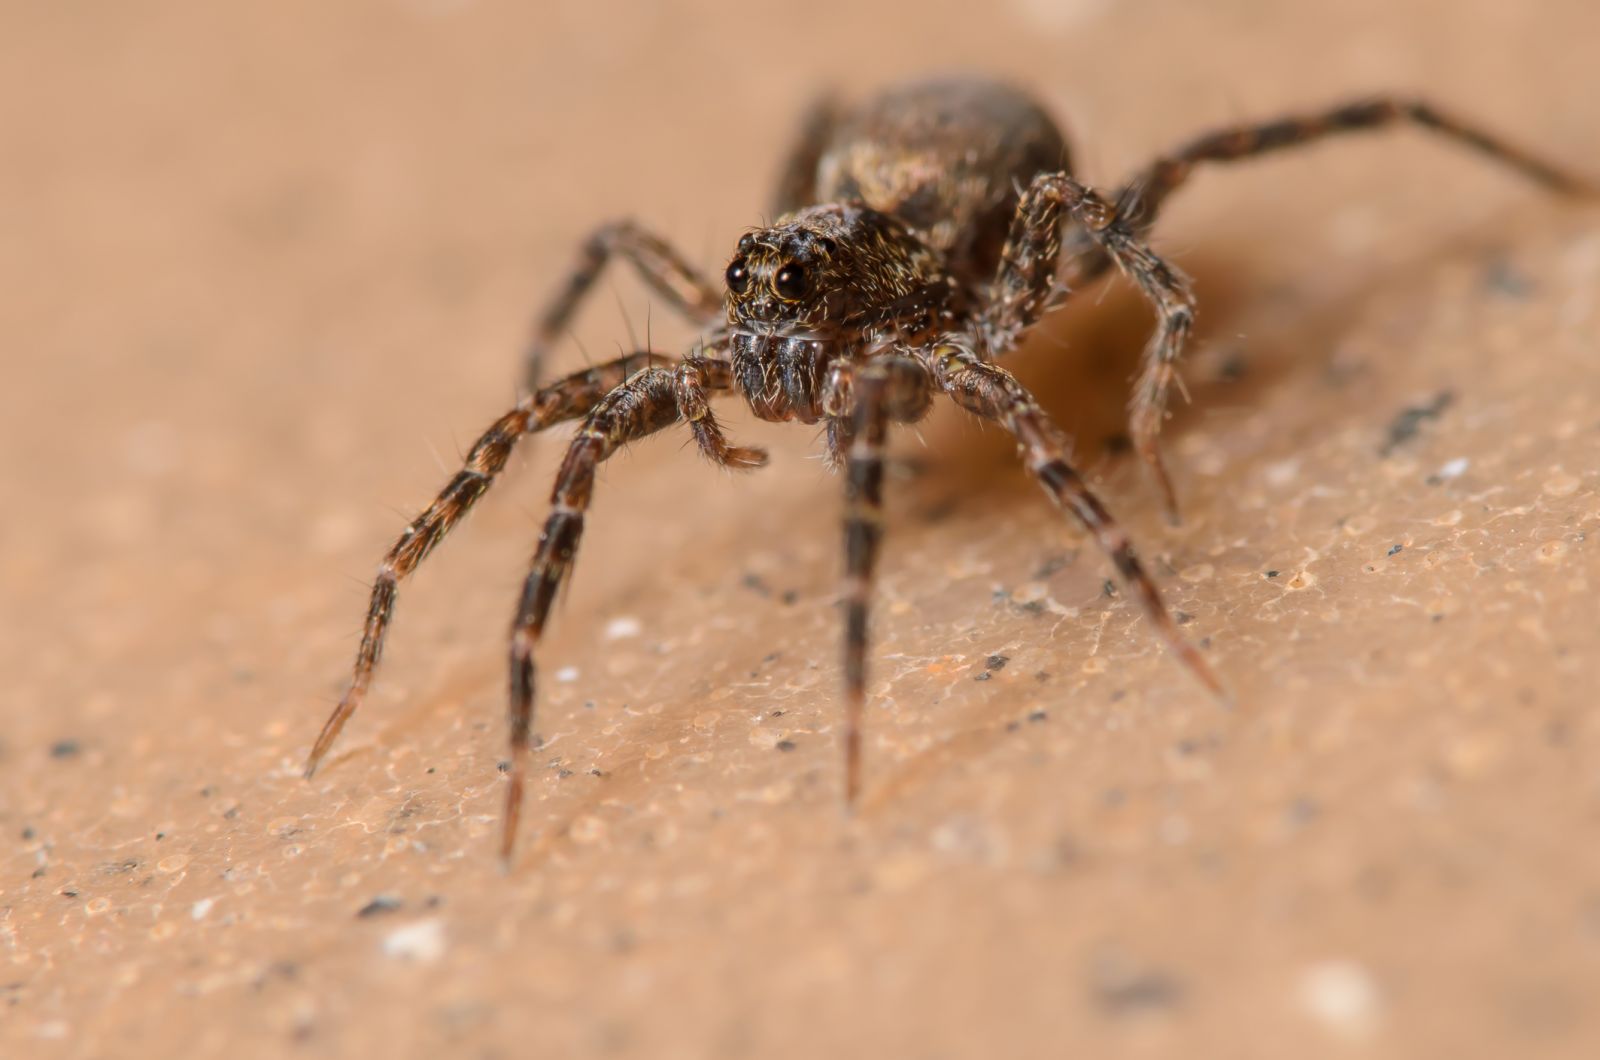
(792, 282)
(737, 276)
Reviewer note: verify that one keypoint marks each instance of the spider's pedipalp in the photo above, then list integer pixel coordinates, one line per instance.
(693, 378)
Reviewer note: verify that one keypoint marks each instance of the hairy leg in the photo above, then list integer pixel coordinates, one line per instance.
(565, 400)
(1027, 280)
(648, 402)
(1141, 198)
(889, 388)
(661, 267)
(992, 392)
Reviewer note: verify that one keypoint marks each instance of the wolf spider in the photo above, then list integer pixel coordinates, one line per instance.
(949, 223)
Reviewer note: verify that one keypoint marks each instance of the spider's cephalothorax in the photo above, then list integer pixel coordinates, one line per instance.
(950, 224)
(826, 285)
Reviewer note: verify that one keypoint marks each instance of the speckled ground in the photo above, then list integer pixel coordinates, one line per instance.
(265, 273)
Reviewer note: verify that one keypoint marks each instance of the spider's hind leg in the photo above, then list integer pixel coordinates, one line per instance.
(1141, 197)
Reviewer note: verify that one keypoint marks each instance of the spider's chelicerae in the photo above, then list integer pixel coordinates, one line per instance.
(920, 235)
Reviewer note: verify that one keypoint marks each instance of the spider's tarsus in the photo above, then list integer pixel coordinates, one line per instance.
(1169, 493)
(330, 732)
(1196, 664)
(508, 833)
(747, 458)
(855, 700)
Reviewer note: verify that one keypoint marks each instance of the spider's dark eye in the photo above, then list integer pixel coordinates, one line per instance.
(791, 282)
(738, 276)
(827, 246)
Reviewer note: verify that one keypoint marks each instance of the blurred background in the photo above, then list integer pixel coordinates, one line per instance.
(265, 274)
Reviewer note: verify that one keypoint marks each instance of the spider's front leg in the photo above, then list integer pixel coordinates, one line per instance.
(1026, 281)
(648, 402)
(887, 388)
(992, 392)
(565, 400)
(661, 267)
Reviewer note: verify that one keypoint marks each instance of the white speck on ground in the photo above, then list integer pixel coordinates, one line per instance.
(201, 908)
(1283, 472)
(422, 940)
(1341, 996)
(619, 628)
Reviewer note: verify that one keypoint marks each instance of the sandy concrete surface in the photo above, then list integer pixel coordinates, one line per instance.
(265, 272)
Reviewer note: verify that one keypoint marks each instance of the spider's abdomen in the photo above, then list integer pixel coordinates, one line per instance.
(946, 157)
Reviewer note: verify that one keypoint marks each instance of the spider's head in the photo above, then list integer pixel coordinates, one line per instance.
(823, 270)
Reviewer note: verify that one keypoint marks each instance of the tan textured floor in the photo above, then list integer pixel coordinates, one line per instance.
(265, 274)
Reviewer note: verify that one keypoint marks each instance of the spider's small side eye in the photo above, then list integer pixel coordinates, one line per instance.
(737, 276)
(792, 282)
(827, 246)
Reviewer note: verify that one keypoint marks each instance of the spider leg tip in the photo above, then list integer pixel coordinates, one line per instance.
(1215, 686)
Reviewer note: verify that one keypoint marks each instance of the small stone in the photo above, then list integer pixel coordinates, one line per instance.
(383, 903)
